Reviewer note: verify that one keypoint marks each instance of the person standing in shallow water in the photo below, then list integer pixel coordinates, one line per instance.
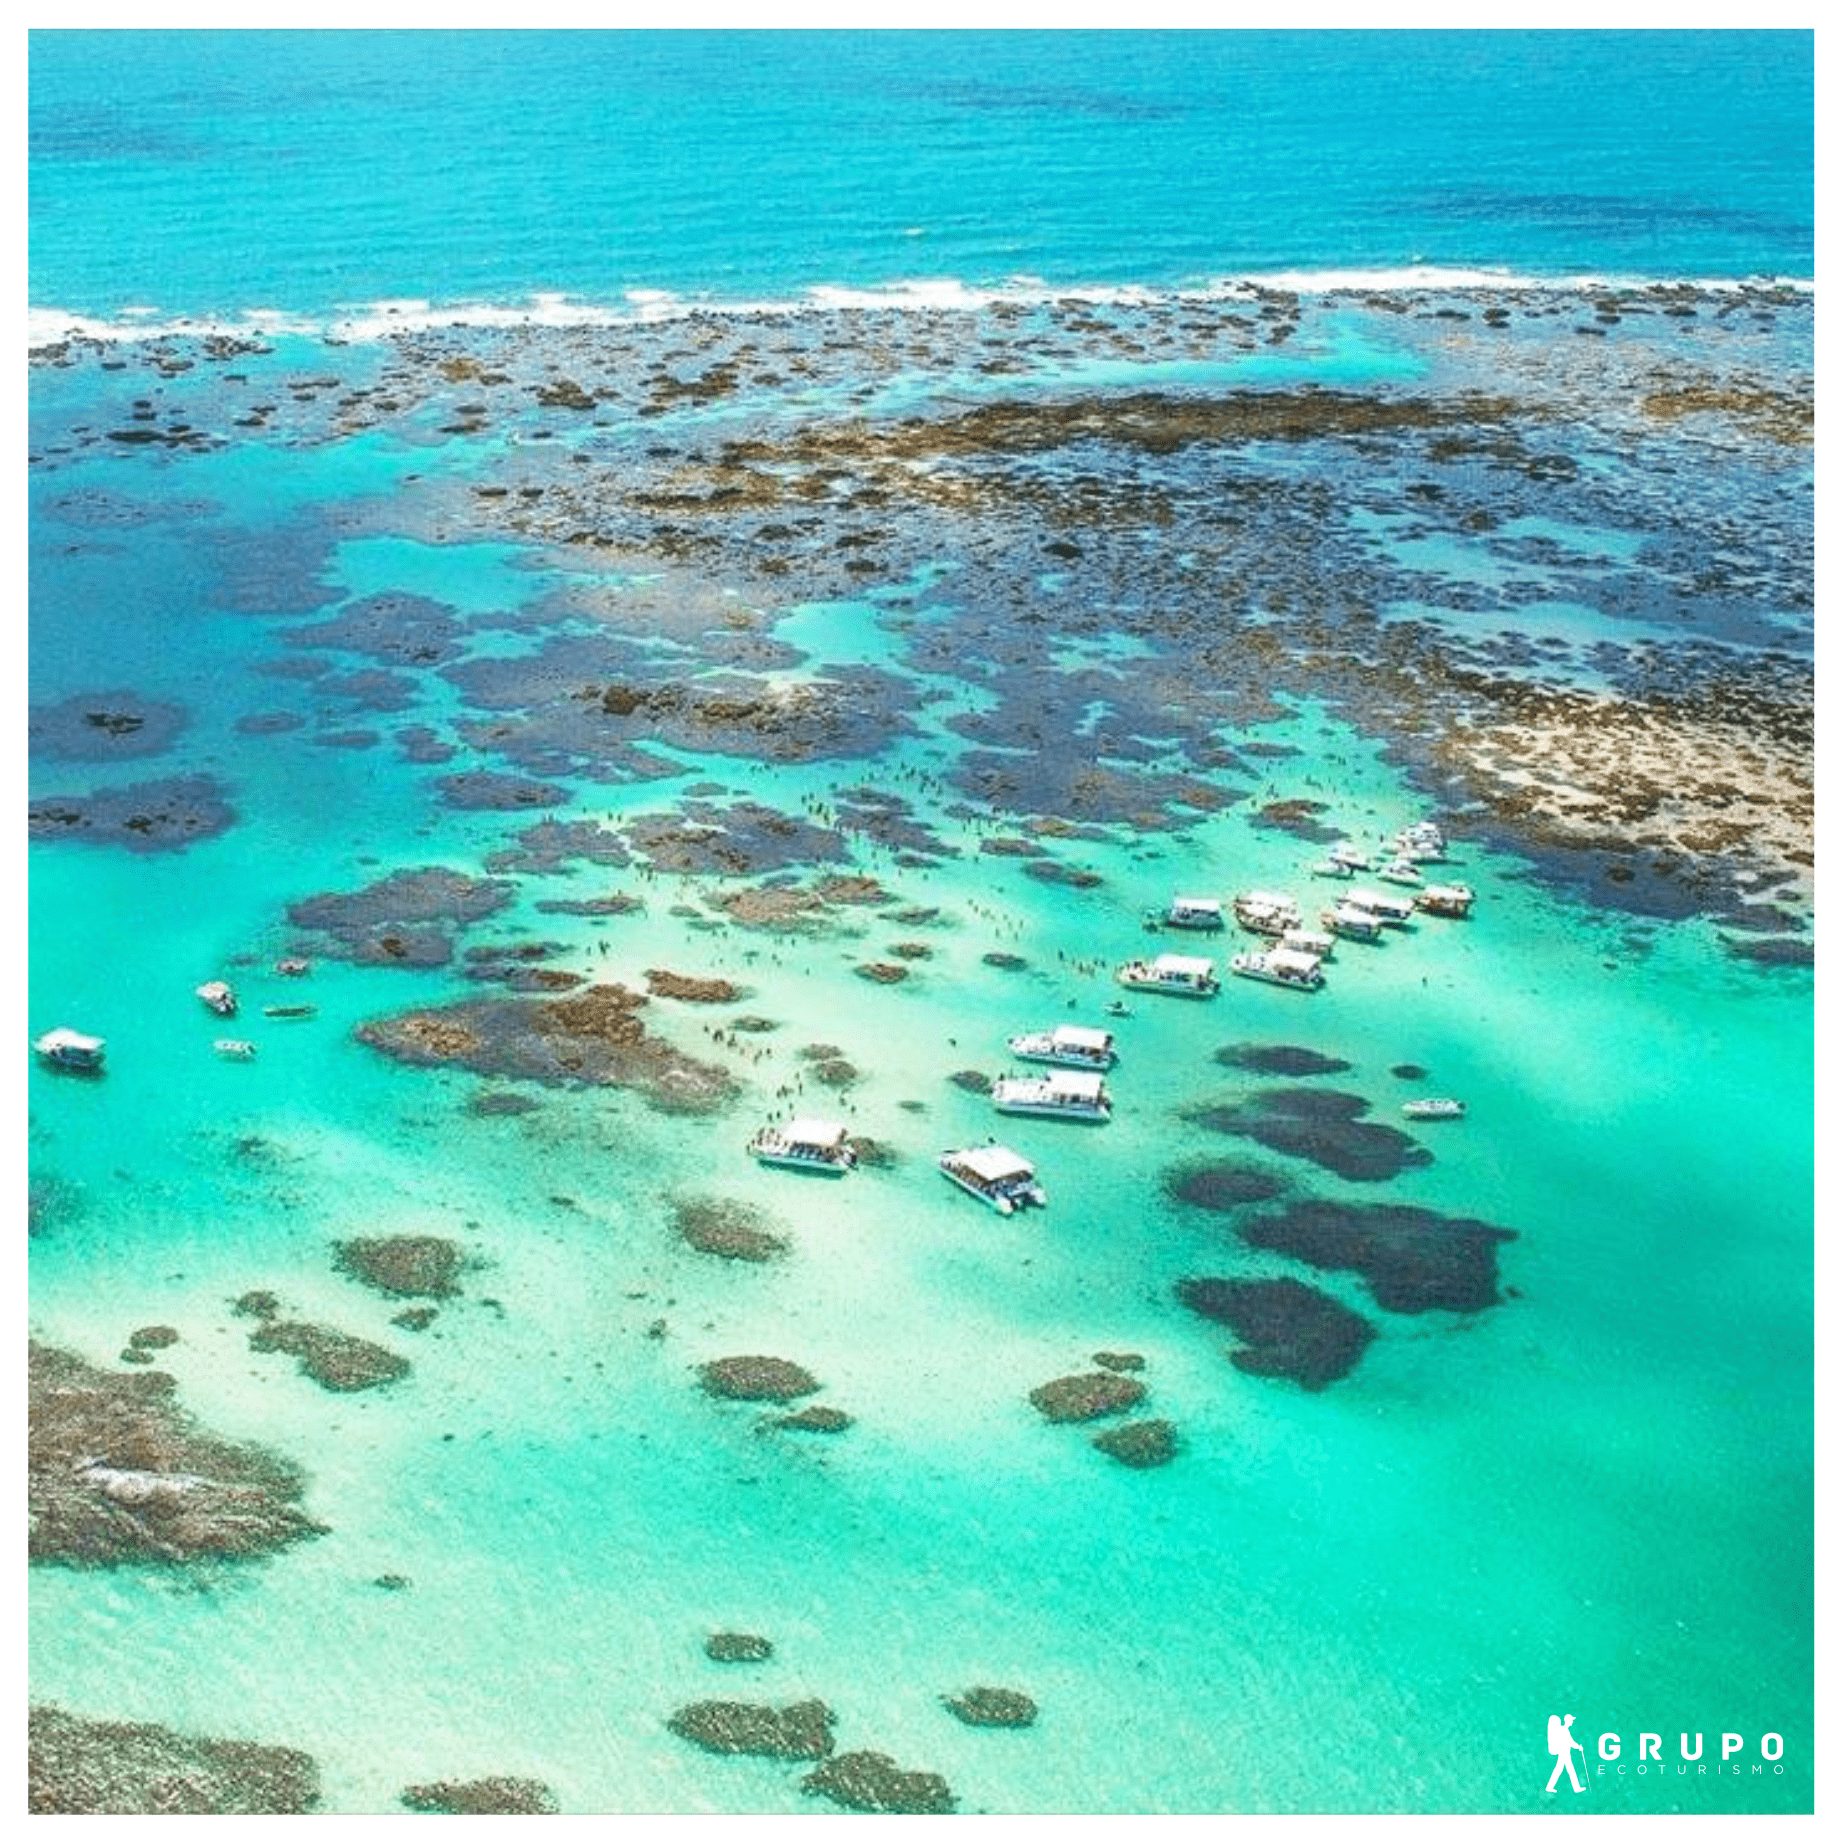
(1562, 1744)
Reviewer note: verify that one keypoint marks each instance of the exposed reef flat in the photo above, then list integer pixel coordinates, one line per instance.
(1287, 1328)
(591, 1039)
(117, 1472)
(1412, 1260)
(78, 1764)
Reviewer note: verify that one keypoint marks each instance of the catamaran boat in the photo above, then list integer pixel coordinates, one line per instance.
(218, 997)
(1399, 871)
(68, 1049)
(1435, 1107)
(996, 1176)
(1344, 852)
(1075, 1046)
(1194, 912)
(1395, 910)
(1261, 912)
(1351, 922)
(805, 1146)
(1280, 967)
(1064, 1094)
(1311, 941)
(1178, 974)
(1454, 900)
(238, 1049)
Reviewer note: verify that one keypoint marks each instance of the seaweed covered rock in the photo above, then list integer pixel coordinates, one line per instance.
(986, 1706)
(866, 1781)
(729, 1227)
(1125, 1361)
(814, 1419)
(153, 1337)
(738, 1648)
(1139, 1444)
(1084, 1397)
(335, 1360)
(1288, 1329)
(663, 983)
(756, 1379)
(117, 1472)
(415, 1267)
(795, 1732)
(75, 1764)
(496, 1795)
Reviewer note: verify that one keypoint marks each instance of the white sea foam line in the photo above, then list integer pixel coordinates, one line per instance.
(380, 320)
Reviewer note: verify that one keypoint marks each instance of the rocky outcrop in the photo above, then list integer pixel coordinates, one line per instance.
(496, 1795)
(869, 1782)
(756, 1379)
(986, 1706)
(1085, 1397)
(407, 1267)
(335, 1360)
(795, 1732)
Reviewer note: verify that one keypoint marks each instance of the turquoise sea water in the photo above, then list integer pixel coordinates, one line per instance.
(1594, 1496)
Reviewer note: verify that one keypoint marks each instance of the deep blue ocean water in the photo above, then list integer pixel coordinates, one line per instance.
(1596, 1495)
(211, 173)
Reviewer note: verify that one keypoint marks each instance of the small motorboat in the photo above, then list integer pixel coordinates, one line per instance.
(294, 968)
(237, 1049)
(72, 1050)
(218, 998)
(1435, 1107)
(289, 1011)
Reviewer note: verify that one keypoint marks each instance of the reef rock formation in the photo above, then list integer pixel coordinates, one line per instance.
(1083, 1398)
(866, 1781)
(408, 1267)
(795, 1732)
(496, 1795)
(1323, 1125)
(1139, 1443)
(335, 1360)
(986, 1706)
(756, 1379)
(76, 1764)
(117, 1472)
(728, 1227)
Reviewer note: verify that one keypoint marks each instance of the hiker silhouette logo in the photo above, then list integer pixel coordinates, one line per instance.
(1562, 1744)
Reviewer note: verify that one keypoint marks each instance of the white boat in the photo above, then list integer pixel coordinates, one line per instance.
(1351, 922)
(1065, 1094)
(1313, 941)
(1455, 900)
(1344, 852)
(996, 1175)
(1280, 967)
(1075, 1046)
(805, 1146)
(1178, 974)
(1194, 912)
(238, 1049)
(1395, 910)
(1331, 867)
(1399, 871)
(1261, 912)
(1417, 849)
(1435, 1107)
(64, 1048)
(218, 997)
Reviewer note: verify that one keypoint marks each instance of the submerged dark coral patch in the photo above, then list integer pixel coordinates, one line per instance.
(407, 919)
(990, 1706)
(117, 1472)
(1222, 1187)
(103, 727)
(1323, 1125)
(1287, 1328)
(146, 816)
(77, 1764)
(492, 791)
(1412, 1260)
(1280, 1060)
(738, 1648)
(1139, 1444)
